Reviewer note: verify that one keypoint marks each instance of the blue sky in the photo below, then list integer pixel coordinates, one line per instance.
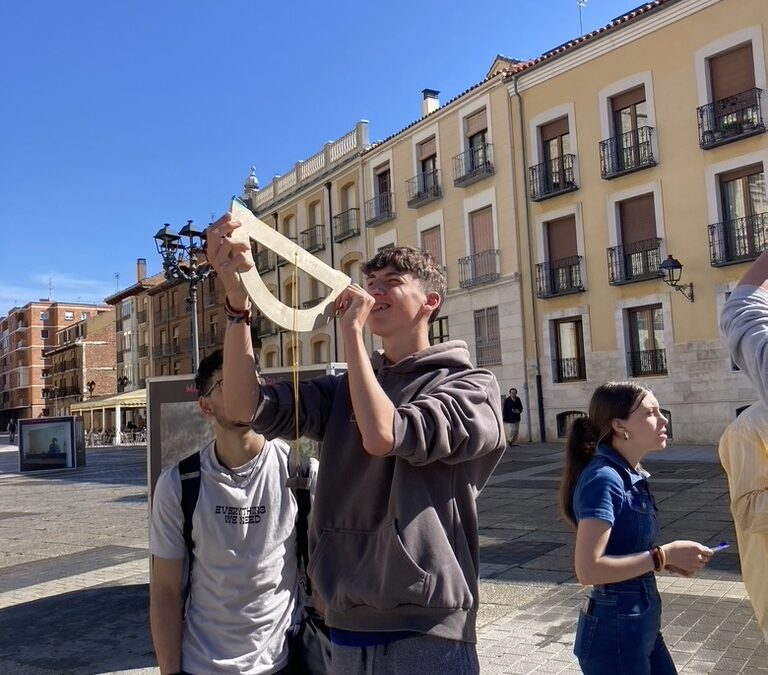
(120, 116)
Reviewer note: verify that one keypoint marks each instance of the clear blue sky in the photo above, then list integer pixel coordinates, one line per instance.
(119, 116)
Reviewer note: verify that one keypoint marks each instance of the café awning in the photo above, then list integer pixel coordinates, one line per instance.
(128, 399)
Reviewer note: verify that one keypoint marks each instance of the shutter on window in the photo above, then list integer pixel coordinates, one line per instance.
(481, 226)
(561, 237)
(430, 242)
(628, 98)
(476, 123)
(554, 129)
(427, 149)
(732, 72)
(638, 219)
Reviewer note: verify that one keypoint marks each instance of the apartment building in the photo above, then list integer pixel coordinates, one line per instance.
(319, 205)
(133, 330)
(637, 142)
(26, 333)
(81, 364)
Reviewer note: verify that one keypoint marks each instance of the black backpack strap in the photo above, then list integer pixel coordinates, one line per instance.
(304, 504)
(189, 474)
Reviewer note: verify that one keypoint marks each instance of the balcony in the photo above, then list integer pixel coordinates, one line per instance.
(118, 325)
(265, 261)
(161, 315)
(380, 209)
(313, 239)
(648, 362)
(637, 261)
(265, 327)
(423, 189)
(552, 178)
(570, 369)
(473, 165)
(739, 240)
(627, 153)
(143, 351)
(120, 357)
(309, 304)
(346, 225)
(559, 277)
(141, 316)
(480, 268)
(163, 349)
(731, 119)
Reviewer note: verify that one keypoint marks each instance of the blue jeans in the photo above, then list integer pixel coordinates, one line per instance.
(619, 631)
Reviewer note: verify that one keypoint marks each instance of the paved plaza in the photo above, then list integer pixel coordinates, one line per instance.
(74, 568)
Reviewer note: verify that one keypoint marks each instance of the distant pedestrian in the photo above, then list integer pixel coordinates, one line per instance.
(12, 431)
(604, 492)
(513, 407)
(744, 445)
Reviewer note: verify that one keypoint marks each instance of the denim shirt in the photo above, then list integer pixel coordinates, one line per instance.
(610, 490)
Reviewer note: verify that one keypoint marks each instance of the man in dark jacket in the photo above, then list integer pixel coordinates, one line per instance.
(409, 437)
(513, 406)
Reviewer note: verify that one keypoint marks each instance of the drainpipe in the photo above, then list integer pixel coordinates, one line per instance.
(537, 356)
(328, 186)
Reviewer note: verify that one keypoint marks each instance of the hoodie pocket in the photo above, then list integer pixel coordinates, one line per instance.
(351, 568)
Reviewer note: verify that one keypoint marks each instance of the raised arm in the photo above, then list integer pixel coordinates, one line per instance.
(241, 383)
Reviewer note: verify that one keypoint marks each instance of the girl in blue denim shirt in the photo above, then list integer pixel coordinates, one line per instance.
(604, 492)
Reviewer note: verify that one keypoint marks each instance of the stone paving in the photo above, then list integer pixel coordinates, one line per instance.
(74, 568)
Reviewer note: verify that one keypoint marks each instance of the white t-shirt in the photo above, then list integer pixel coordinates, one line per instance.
(244, 592)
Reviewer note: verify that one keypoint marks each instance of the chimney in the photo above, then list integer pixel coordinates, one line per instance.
(430, 102)
(141, 269)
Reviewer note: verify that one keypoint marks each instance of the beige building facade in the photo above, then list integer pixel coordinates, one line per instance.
(642, 141)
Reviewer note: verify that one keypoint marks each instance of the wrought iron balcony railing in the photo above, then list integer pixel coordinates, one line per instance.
(473, 165)
(637, 261)
(570, 369)
(346, 224)
(552, 178)
(282, 261)
(731, 119)
(141, 316)
(380, 209)
(143, 351)
(423, 188)
(120, 357)
(265, 261)
(734, 241)
(313, 239)
(648, 362)
(559, 277)
(626, 153)
(264, 327)
(480, 268)
(163, 349)
(118, 325)
(309, 304)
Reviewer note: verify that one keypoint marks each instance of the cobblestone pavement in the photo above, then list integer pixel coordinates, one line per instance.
(74, 568)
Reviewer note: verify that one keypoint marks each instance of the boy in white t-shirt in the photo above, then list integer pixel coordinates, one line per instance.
(244, 591)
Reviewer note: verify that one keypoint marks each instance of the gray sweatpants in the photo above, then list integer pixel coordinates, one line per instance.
(420, 655)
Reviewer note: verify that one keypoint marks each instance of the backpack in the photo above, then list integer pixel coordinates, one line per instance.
(309, 642)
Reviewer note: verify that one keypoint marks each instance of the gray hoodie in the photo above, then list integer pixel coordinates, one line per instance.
(393, 540)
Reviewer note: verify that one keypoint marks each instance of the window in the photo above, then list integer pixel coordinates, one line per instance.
(176, 369)
(647, 355)
(69, 316)
(213, 329)
(637, 257)
(125, 308)
(438, 331)
(432, 243)
(44, 334)
(564, 421)
(476, 132)
(487, 337)
(320, 351)
(630, 148)
(569, 363)
(742, 234)
(561, 273)
(269, 359)
(43, 316)
(483, 260)
(382, 189)
(83, 316)
(427, 159)
(731, 72)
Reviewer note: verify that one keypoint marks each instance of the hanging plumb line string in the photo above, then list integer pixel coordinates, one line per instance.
(295, 362)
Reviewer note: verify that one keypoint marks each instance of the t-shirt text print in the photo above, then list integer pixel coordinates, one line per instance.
(241, 515)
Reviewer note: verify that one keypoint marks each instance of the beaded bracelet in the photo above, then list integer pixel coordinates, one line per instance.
(237, 316)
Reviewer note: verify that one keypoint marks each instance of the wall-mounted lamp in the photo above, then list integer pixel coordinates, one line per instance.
(91, 386)
(672, 270)
(122, 383)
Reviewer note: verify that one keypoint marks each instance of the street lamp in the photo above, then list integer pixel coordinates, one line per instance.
(122, 381)
(180, 262)
(672, 269)
(91, 385)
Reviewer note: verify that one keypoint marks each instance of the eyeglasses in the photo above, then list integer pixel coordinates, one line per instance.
(213, 386)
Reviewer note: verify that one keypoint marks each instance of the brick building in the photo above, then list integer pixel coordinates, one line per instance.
(82, 364)
(26, 333)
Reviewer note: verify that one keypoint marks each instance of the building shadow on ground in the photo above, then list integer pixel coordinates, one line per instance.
(92, 631)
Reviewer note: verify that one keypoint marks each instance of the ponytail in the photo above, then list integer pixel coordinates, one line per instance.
(579, 449)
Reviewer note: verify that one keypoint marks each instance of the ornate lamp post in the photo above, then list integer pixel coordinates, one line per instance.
(180, 261)
(122, 382)
(91, 385)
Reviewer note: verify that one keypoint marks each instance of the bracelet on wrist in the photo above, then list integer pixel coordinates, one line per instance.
(658, 557)
(237, 315)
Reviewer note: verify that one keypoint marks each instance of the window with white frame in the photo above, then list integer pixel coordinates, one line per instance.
(647, 353)
(487, 337)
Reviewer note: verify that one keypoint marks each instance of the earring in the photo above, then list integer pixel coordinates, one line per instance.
(626, 436)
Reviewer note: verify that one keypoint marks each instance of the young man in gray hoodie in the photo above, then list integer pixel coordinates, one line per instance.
(409, 438)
